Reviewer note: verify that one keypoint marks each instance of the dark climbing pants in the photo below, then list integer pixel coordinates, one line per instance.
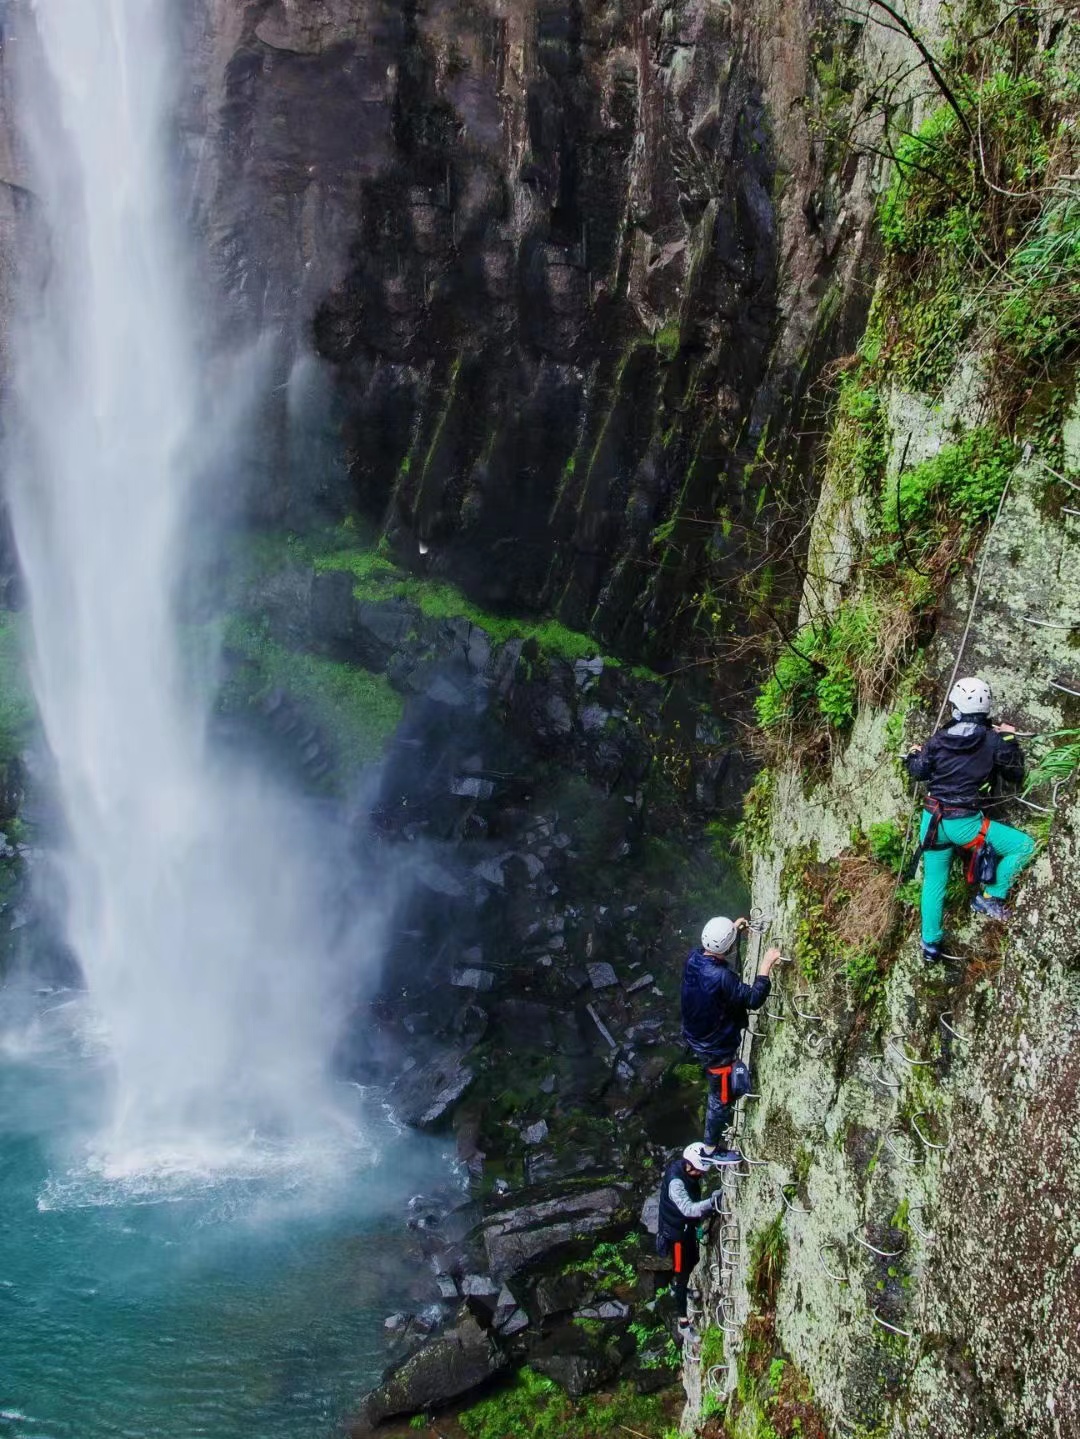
(719, 1106)
(684, 1257)
(1013, 845)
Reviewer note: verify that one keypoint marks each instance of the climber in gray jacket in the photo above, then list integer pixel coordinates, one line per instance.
(681, 1206)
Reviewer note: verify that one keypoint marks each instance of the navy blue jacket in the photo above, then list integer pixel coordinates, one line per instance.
(716, 1005)
(957, 762)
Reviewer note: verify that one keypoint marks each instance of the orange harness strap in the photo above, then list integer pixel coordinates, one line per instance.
(724, 1073)
(975, 845)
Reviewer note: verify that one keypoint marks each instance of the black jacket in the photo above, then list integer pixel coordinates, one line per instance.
(957, 762)
(672, 1223)
(716, 1005)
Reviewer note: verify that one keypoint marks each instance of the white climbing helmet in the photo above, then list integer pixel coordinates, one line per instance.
(970, 697)
(718, 936)
(696, 1155)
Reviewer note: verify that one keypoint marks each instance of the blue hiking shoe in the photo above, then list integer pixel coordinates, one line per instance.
(931, 953)
(719, 1158)
(992, 907)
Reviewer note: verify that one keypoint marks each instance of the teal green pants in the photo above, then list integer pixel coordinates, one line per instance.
(1013, 845)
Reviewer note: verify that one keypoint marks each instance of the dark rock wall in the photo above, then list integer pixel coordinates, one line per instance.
(562, 264)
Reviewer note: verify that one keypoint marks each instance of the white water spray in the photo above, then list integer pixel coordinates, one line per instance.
(196, 895)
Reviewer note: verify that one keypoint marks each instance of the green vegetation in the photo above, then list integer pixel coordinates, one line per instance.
(612, 1263)
(16, 703)
(887, 845)
(666, 340)
(768, 1252)
(377, 578)
(983, 238)
(846, 912)
(1058, 764)
(356, 710)
(962, 483)
(655, 1346)
(753, 829)
(532, 1407)
(926, 525)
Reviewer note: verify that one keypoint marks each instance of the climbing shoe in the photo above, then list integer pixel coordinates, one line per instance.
(720, 1158)
(931, 953)
(989, 905)
(686, 1331)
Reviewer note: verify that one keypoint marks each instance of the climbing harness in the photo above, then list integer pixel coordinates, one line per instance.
(982, 866)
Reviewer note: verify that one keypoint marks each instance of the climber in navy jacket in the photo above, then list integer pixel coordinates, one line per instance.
(716, 1008)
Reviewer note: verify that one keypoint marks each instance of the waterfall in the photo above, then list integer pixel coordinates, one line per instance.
(198, 899)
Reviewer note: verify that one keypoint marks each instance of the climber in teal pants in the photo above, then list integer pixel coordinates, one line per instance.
(1013, 845)
(958, 763)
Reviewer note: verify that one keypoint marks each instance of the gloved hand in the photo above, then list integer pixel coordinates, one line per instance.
(718, 1202)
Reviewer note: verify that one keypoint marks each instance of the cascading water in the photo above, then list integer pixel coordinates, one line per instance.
(219, 919)
(195, 906)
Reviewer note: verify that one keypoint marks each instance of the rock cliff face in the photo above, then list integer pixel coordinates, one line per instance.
(561, 264)
(900, 1258)
(916, 1154)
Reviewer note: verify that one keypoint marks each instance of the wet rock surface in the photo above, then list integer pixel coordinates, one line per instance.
(456, 1361)
(538, 261)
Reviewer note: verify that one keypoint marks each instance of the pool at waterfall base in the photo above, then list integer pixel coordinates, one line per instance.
(179, 1296)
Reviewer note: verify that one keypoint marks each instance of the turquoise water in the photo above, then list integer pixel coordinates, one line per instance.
(243, 1297)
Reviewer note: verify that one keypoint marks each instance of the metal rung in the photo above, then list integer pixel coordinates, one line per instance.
(913, 1209)
(714, 1379)
(893, 1328)
(1064, 689)
(885, 1253)
(810, 1018)
(963, 1038)
(901, 1158)
(758, 922)
(1048, 624)
(793, 1208)
(880, 1078)
(1030, 804)
(895, 1043)
(928, 1142)
(829, 1244)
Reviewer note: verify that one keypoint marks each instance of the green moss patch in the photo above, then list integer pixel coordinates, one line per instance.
(358, 711)
(532, 1407)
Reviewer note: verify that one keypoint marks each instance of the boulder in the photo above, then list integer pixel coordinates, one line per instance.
(578, 1374)
(443, 1369)
(608, 1311)
(516, 1237)
(601, 975)
(425, 1094)
(559, 1293)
